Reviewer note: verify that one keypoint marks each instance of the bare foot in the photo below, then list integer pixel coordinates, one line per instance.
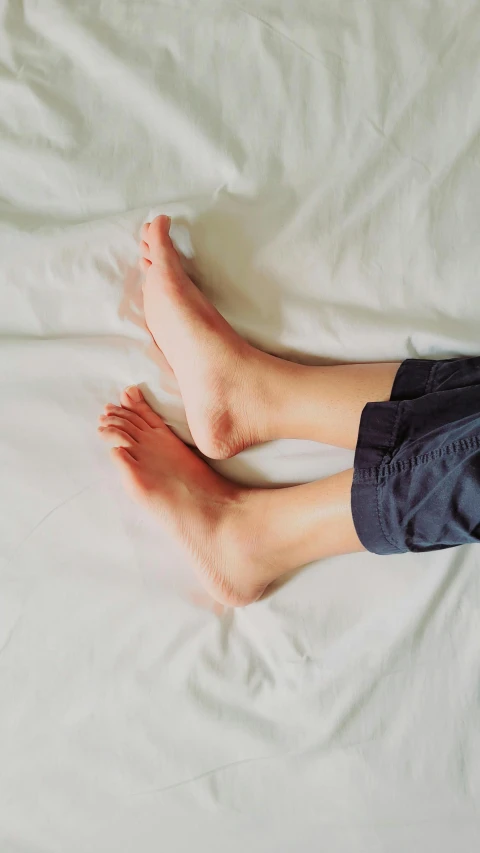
(240, 540)
(223, 380)
(209, 515)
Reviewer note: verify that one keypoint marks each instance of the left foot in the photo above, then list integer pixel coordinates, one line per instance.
(208, 514)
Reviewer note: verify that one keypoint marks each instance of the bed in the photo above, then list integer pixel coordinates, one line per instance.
(321, 162)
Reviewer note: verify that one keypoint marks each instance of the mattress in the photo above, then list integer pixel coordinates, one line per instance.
(321, 162)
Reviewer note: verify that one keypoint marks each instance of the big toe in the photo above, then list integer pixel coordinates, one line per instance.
(133, 400)
(162, 250)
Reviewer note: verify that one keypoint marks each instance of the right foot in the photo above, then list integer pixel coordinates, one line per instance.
(222, 379)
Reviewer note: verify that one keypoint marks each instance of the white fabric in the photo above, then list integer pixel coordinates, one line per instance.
(323, 159)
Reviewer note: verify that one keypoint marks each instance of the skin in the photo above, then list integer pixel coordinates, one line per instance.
(240, 540)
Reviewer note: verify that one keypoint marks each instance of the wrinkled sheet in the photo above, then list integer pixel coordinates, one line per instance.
(322, 161)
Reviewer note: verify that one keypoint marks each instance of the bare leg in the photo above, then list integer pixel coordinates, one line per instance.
(234, 394)
(240, 540)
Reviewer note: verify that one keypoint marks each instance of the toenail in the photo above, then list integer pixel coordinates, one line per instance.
(134, 393)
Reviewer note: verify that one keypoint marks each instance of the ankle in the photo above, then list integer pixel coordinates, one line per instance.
(281, 402)
(244, 543)
(256, 400)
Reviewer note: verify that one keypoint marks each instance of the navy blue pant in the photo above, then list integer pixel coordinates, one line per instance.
(416, 484)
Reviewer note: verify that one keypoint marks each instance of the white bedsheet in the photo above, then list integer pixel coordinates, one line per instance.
(324, 159)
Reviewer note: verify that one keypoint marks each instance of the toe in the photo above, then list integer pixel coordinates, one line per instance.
(126, 414)
(144, 231)
(144, 250)
(117, 437)
(133, 399)
(125, 462)
(122, 456)
(120, 423)
(144, 264)
(162, 250)
(130, 471)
